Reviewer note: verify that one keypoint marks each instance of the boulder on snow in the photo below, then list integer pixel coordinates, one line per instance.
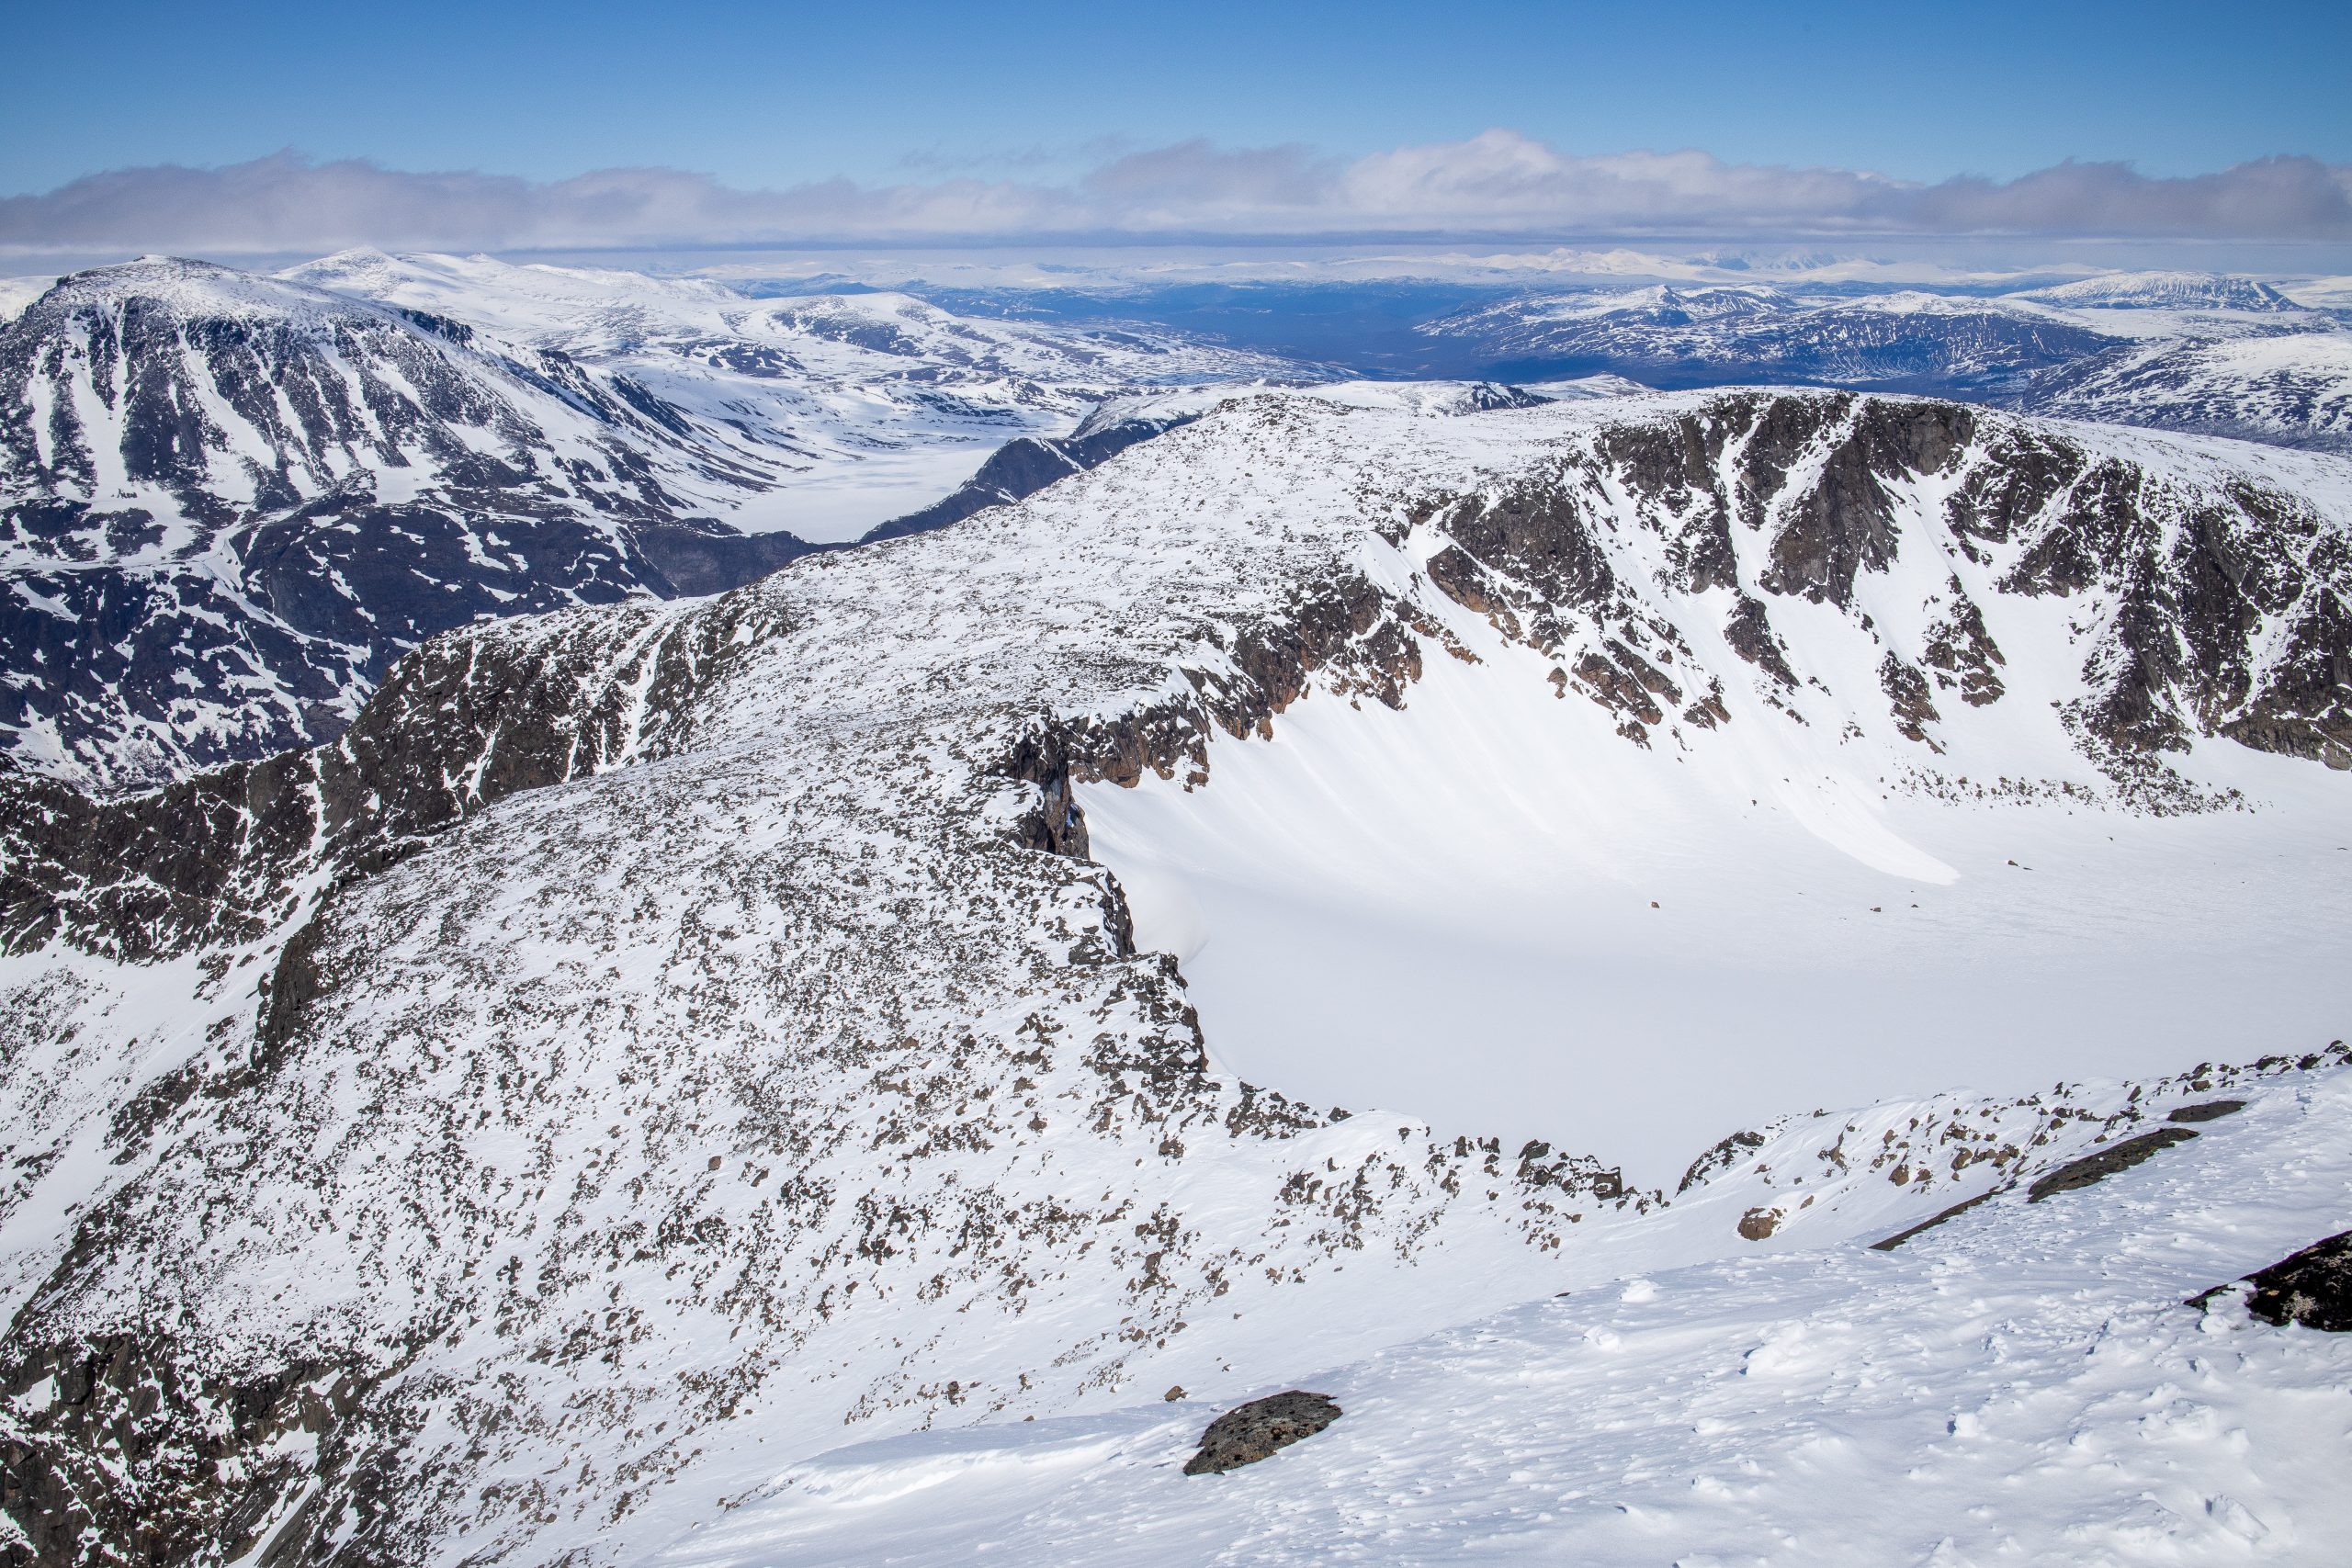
(2106, 1162)
(2313, 1287)
(1251, 1432)
(2205, 1111)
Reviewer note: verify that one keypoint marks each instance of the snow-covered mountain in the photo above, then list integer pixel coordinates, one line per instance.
(2170, 350)
(658, 1044)
(2164, 291)
(230, 502)
(1022, 468)
(1669, 337)
(2290, 391)
(877, 402)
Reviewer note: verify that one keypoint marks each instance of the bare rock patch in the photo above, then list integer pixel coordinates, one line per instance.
(1253, 1431)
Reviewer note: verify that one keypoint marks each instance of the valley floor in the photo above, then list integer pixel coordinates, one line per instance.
(1491, 913)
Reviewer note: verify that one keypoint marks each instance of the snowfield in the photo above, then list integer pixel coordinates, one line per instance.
(661, 1051)
(1449, 910)
(2023, 1384)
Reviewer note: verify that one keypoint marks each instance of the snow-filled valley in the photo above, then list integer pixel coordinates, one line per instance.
(874, 403)
(1488, 911)
(862, 1067)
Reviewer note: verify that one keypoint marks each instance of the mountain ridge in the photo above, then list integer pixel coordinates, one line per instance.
(717, 1003)
(230, 502)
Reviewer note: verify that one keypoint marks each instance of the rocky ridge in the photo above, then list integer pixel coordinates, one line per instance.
(228, 503)
(676, 1020)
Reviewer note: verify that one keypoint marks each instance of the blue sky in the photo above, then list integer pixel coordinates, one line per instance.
(766, 94)
(1046, 96)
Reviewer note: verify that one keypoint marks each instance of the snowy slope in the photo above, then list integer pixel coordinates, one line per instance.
(2023, 1383)
(661, 1043)
(876, 402)
(1515, 921)
(227, 503)
(2294, 390)
(1026, 465)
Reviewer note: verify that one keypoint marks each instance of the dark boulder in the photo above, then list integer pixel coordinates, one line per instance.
(2106, 1162)
(1251, 1432)
(2313, 1287)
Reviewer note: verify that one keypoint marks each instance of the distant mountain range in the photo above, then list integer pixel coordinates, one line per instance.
(2293, 390)
(2010, 349)
(874, 403)
(2032, 347)
(228, 502)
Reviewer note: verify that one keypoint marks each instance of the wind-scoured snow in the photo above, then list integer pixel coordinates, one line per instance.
(2023, 1383)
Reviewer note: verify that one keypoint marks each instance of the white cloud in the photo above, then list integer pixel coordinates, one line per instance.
(1497, 183)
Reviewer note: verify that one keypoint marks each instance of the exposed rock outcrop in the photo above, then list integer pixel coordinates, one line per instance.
(2312, 1288)
(1260, 1430)
(2098, 1167)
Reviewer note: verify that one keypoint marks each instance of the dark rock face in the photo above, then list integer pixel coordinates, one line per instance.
(1890, 1243)
(1723, 1157)
(1255, 1430)
(1909, 693)
(2313, 1287)
(456, 727)
(133, 1451)
(2184, 585)
(1961, 653)
(229, 505)
(2093, 1168)
(2207, 1110)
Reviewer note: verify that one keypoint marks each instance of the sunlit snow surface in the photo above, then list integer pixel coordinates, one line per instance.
(878, 403)
(754, 943)
(1447, 911)
(2021, 1386)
